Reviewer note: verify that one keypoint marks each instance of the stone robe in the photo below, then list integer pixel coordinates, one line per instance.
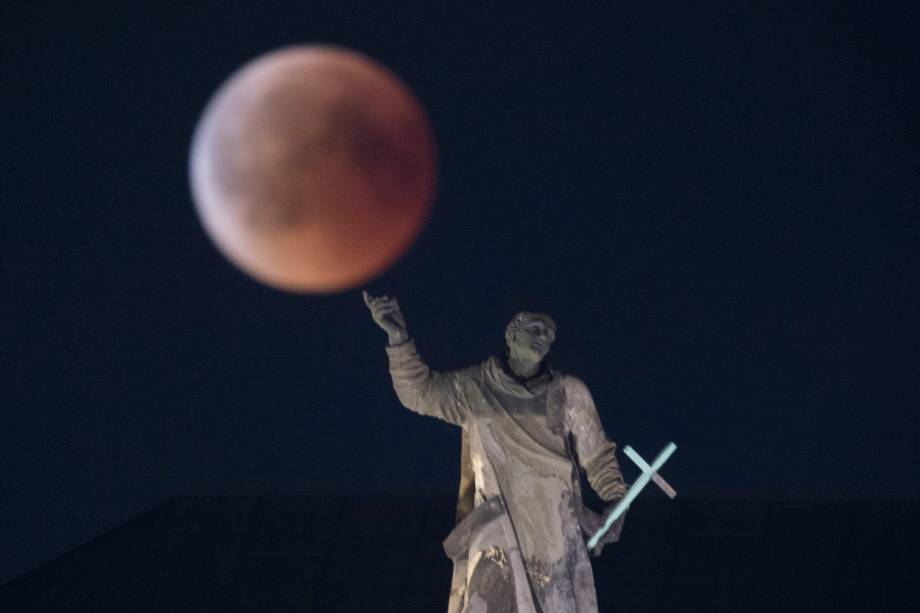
(522, 547)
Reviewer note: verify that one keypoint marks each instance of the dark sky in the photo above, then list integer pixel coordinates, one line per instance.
(719, 205)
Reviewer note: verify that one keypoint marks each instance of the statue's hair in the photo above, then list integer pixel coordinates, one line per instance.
(517, 322)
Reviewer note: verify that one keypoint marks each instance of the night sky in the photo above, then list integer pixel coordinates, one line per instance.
(718, 204)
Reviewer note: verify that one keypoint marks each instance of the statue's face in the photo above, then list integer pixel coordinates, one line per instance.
(530, 338)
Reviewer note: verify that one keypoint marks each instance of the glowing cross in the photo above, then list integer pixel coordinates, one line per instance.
(648, 473)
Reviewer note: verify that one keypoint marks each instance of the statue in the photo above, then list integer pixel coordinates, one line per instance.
(519, 544)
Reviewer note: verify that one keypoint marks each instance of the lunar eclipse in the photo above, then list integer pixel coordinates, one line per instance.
(313, 168)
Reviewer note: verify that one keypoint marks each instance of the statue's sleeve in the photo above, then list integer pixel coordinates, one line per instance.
(596, 452)
(437, 394)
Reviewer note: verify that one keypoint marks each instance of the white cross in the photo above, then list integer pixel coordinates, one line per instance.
(659, 481)
(648, 473)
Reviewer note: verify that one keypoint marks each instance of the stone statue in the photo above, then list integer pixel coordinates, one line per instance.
(519, 544)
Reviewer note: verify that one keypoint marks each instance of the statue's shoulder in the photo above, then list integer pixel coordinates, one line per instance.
(576, 391)
(489, 364)
(574, 384)
(481, 371)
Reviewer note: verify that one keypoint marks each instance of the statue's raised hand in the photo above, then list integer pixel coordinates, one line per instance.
(387, 315)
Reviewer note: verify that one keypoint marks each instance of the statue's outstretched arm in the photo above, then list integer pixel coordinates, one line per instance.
(420, 389)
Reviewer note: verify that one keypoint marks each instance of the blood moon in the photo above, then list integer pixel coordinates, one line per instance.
(313, 168)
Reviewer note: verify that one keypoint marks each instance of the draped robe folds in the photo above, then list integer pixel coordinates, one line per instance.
(527, 517)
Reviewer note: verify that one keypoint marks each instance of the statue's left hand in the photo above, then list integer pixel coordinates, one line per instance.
(612, 535)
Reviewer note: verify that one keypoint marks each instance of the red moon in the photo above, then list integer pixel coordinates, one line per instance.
(313, 168)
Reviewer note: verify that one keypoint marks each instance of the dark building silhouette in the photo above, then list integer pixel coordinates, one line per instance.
(284, 553)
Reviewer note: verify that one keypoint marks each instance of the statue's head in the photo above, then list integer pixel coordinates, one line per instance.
(529, 336)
